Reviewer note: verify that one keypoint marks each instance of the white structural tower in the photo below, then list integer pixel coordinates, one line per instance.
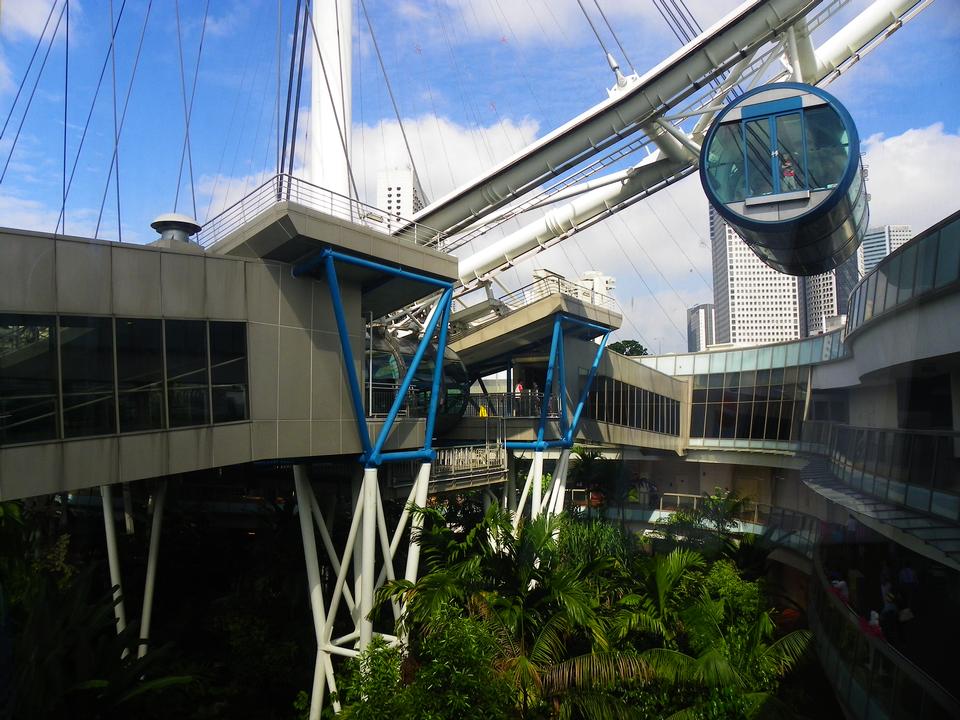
(880, 242)
(399, 192)
(331, 107)
(754, 303)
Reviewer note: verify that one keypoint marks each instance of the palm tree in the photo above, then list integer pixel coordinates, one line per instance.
(741, 657)
(554, 645)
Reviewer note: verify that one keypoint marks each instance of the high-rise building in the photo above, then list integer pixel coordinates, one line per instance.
(880, 242)
(701, 327)
(826, 295)
(754, 303)
(399, 193)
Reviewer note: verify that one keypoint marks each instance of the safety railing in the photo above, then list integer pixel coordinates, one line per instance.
(524, 404)
(927, 265)
(919, 470)
(379, 399)
(468, 461)
(552, 285)
(287, 188)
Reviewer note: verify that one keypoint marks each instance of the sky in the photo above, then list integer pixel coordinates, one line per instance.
(474, 81)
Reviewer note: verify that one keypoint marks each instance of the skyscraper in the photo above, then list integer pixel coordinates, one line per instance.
(701, 327)
(826, 295)
(754, 303)
(880, 242)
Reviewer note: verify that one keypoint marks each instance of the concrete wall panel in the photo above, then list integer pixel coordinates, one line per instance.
(231, 444)
(29, 279)
(262, 364)
(31, 470)
(136, 282)
(225, 288)
(83, 278)
(263, 292)
(294, 374)
(182, 282)
(144, 455)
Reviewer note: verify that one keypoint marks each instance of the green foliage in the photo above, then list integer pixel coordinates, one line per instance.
(628, 347)
(371, 689)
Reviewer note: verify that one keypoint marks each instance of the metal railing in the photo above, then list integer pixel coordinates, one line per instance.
(525, 404)
(469, 461)
(919, 470)
(379, 399)
(552, 285)
(287, 188)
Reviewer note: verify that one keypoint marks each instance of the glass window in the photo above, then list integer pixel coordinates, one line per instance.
(715, 382)
(792, 172)
(228, 370)
(764, 356)
(701, 364)
(948, 257)
(711, 427)
(779, 356)
(28, 378)
(827, 147)
(86, 361)
(908, 267)
(759, 165)
(140, 374)
(871, 286)
(880, 292)
(717, 362)
(926, 264)
(893, 281)
(725, 166)
(187, 387)
(697, 416)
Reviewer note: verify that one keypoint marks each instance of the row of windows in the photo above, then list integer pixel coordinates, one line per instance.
(928, 263)
(619, 403)
(71, 376)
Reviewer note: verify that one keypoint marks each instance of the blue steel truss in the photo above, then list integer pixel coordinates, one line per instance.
(373, 455)
(555, 364)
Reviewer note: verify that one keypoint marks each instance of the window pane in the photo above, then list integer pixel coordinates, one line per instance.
(827, 147)
(28, 378)
(86, 361)
(759, 166)
(228, 370)
(927, 264)
(790, 153)
(892, 271)
(140, 374)
(908, 264)
(868, 298)
(697, 414)
(187, 372)
(948, 257)
(725, 167)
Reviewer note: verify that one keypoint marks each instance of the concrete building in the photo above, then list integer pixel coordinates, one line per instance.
(880, 242)
(701, 327)
(753, 302)
(825, 297)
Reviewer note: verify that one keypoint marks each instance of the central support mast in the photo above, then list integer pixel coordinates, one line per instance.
(331, 107)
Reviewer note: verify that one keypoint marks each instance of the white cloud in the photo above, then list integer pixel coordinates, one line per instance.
(6, 82)
(913, 177)
(446, 153)
(25, 17)
(218, 192)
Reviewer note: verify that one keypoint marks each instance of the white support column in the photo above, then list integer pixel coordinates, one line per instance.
(127, 509)
(537, 484)
(368, 553)
(304, 495)
(510, 488)
(113, 557)
(560, 482)
(156, 526)
(420, 499)
(518, 513)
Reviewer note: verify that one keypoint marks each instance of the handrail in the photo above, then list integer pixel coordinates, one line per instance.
(552, 285)
(287, 188)
(524, 404)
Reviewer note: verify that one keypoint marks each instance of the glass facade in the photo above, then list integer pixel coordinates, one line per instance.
(620, 403)
(927, 264)
(76, 376)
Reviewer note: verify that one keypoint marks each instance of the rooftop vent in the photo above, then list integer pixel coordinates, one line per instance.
(175, 227)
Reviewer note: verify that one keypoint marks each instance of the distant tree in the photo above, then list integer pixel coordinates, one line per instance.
(628, 347)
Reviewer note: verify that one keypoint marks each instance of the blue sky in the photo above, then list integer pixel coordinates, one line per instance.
(475, 80)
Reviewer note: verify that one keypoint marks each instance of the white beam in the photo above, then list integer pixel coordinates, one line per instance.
(156, 526)
(113, 558)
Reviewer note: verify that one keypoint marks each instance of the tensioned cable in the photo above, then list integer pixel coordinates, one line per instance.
(386, 78)
(293, 60)
(636, 240)
(616, 39)
(113, 82)
(188, 107)
(677, 244)
(93, 103)
(279, 81)
(66, 86)
(26, 74)
(123, 115)
(296, 99)
(333, 107)
(33, 91)
(593, 27)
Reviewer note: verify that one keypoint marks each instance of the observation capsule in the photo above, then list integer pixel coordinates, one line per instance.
(781, 164)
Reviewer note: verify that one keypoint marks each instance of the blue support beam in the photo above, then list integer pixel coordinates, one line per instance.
(548, 385)
(373, 455)
(572, 431)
